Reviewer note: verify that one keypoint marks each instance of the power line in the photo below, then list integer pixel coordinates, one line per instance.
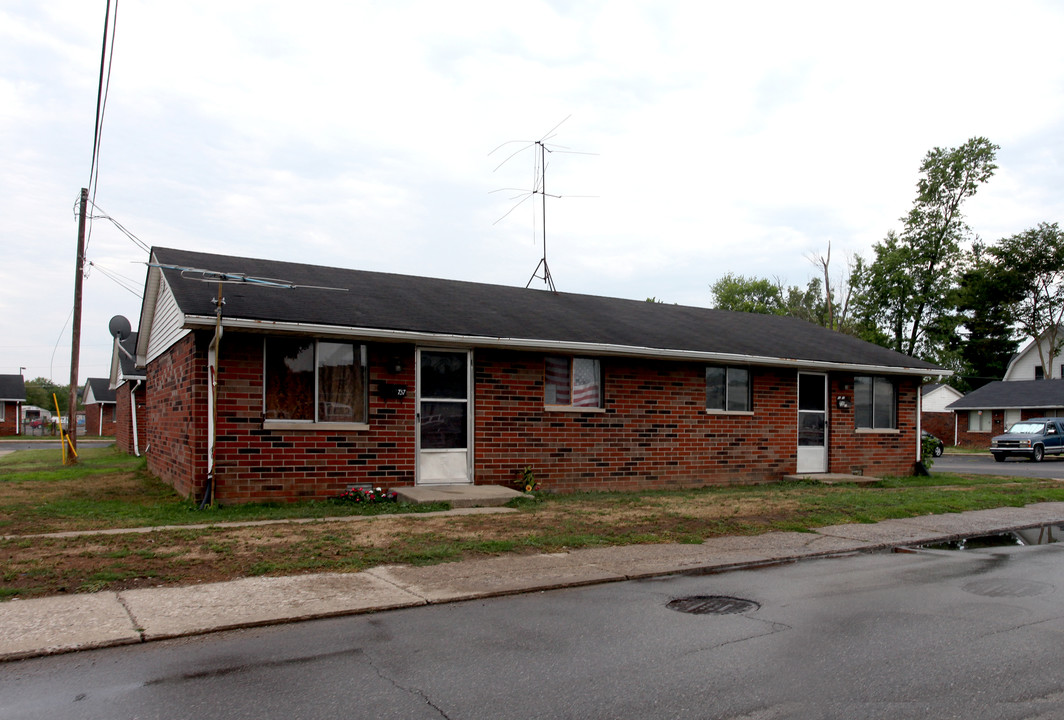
(130, 286)
(122, 228)
(103, 88)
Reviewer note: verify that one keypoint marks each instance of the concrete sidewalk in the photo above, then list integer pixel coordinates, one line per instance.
(67, 623)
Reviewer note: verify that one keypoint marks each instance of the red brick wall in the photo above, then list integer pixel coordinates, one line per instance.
(866, 452)
(124, 424)
(93, 425)
(939, 424)
(10, 424)
(256, 465)
(653, 432)
(177, 395)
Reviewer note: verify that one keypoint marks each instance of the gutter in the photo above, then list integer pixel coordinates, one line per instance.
(561, 346)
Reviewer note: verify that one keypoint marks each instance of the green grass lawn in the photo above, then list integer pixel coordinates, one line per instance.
(108, 489)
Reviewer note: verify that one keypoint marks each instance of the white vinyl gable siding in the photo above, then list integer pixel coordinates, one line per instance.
(939, 398)
(166, 323)
(1023, 365)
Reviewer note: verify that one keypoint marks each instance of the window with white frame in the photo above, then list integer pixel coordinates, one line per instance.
(980, 420)
(572, 382)
(728, 389)
(874, 402)
(309, 380)
(3, 407)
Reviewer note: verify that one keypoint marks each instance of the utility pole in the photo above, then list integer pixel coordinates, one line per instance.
(75, 341)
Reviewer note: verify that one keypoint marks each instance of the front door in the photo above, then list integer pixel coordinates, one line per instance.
(444, 389)
(812, 423)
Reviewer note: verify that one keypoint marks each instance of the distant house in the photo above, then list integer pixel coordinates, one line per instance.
(1028, 362)
(12, 396)
(127, 382)
(935, 417)
(327, 378)
(1023, 393)
(100, 409)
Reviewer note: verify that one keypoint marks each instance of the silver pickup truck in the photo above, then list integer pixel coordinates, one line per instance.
(1033, 439)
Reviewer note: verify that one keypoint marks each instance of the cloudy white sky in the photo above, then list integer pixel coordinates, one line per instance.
(719, 137)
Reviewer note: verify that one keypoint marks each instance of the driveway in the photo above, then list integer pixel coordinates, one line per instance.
(984, 464)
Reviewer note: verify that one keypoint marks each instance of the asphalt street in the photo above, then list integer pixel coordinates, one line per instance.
(932, 634)
(984, 464)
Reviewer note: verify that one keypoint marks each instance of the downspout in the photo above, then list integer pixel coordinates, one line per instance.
(18, 417)
(212, 400)
(133, 405)
(99, 428)
(919, 424)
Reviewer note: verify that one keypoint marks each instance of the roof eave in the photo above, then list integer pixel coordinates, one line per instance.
(208, 321)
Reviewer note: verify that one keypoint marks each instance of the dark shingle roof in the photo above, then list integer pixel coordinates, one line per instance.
(12, 387)
(101, 390)
(1001, 394)
(401, 303)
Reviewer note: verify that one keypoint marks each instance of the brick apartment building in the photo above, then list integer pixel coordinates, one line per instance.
(323, 378)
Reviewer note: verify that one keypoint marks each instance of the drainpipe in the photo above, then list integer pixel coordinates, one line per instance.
(99, 428)
(212, 400)
(133, 405)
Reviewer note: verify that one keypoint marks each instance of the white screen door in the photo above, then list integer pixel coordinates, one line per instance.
(812, 423)
(444, 446)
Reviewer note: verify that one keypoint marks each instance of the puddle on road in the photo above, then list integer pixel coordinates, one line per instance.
(1043, 535)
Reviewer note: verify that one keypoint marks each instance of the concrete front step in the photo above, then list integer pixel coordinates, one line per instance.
(459, 496)
(833, 478)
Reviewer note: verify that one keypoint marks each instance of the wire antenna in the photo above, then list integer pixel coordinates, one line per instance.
(539, 187)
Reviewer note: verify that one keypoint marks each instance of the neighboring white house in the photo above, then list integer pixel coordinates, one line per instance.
(936, 396)
(1027, 364)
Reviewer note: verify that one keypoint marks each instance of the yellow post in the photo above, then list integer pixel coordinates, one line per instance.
(64, 441)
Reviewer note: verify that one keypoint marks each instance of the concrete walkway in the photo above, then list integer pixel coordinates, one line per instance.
(67, 623)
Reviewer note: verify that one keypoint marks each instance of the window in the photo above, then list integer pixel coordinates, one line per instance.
(1038, 373)
(314, 381)
(873, 399)
(114, 413)
(573, 382)
(980, 420)
(728, 389)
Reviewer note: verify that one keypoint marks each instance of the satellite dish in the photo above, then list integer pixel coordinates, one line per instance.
(119, 327)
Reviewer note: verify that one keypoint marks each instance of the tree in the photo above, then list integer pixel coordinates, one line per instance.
(986, 304)
(39, 392)
(769, 297)
(1031, 265)
(741, 294)
(904, 291)
(837, 298)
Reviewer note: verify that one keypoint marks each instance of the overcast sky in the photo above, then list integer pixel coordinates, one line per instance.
(709, 137)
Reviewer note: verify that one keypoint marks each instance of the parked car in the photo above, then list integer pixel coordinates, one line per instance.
(939, 447)
(1033, 439)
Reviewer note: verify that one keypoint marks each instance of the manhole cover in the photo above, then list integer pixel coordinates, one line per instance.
(1008, 588)
(712, 605)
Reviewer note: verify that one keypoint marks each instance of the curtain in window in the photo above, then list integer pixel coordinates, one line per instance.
(557, 381)
(587, 390)
(289, 379)
(340, 395)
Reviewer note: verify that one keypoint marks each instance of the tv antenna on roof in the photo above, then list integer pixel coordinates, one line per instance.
(539, 187)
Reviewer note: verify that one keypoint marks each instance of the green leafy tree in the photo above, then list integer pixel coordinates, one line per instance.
(987, 299)
(39, 392)
(769, 297)
(905, 291)
(742, 294)
(1031, 266)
